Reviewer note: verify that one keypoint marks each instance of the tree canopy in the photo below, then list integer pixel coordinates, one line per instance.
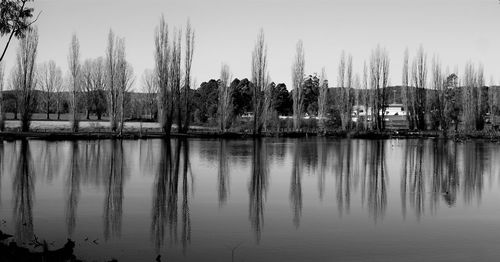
(15, 20)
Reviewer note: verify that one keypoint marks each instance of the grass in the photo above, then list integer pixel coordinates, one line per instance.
(42, 128)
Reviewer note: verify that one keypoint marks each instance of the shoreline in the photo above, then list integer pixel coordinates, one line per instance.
(56, 135)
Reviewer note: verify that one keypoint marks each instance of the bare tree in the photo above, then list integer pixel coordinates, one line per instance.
(58, 91)
(188, 60)
(150, 88)
(2, 114)
(437, 103)
(87, 85)
(357, 98)
(340, 84)
(162, 60)
(379, 76)
(322, 100)
(49, 76)
(407, 92)
(345, 84)
(419, 79)
(349, 91)
(384, 82)
(112, 83)
(15, 85)
(125, 79)
(259, 79)
(473, 110)
(75, 87)
(175, 77)
(481, 103)
(492, 98)
(26, 81)
(468, 98)
(98, 77)
(268, 111)
(367, 96)
(225, 101)
(297, 82)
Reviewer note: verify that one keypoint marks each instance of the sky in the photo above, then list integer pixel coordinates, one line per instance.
(226, 30)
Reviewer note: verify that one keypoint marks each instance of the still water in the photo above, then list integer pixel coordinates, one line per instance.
(313, 199)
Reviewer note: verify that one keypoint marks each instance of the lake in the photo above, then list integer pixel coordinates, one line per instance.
(273, 199)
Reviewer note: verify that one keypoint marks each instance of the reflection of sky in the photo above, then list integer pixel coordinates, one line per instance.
(226, 30)
(463, 231)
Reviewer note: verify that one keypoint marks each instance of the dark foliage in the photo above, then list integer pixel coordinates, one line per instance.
(242, 96)
(14, 20)
(205, 101)
(311, 92)
(283, 100)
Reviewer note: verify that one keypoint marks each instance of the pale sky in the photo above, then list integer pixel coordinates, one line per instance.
(226, 30)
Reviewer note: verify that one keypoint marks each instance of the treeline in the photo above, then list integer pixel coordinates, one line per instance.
(433, 98)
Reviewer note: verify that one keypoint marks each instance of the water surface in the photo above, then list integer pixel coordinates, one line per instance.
(313, 199)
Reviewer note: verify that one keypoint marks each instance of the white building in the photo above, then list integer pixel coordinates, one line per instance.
(395, 110)
(390, 110)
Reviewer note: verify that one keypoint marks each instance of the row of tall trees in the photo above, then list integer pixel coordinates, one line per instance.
(172, 100)
(119, 80)
(437, 102)
(87, 83)
(103, 84)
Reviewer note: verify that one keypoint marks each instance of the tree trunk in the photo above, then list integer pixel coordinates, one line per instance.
(122, 113)
(17, 109)
(48, 108)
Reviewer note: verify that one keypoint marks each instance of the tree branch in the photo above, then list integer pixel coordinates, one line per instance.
(14, 30)
(36, 19)
(7, 45)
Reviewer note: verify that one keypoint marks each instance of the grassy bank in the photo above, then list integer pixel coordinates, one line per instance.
(90, 130)
(91, 135)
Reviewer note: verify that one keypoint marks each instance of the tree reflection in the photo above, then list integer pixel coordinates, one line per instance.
(48, 164)
(414, 186)
(433, 173)
(451, 180)
(147, 156)
(165, 195)
(445, 177)
(377, 188)
(437, 165)
(296, 184)
(72, 189)
(258, 187)
(404, 179)
(343, 177)
(95, 164)
(186, 215)
(278, 150)
(23, 188)
(2, 167)
(114, 182)
(322, 164)
(160, 194)
(364, 170)
(442, 169)
(223, 174)
(474, 155)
